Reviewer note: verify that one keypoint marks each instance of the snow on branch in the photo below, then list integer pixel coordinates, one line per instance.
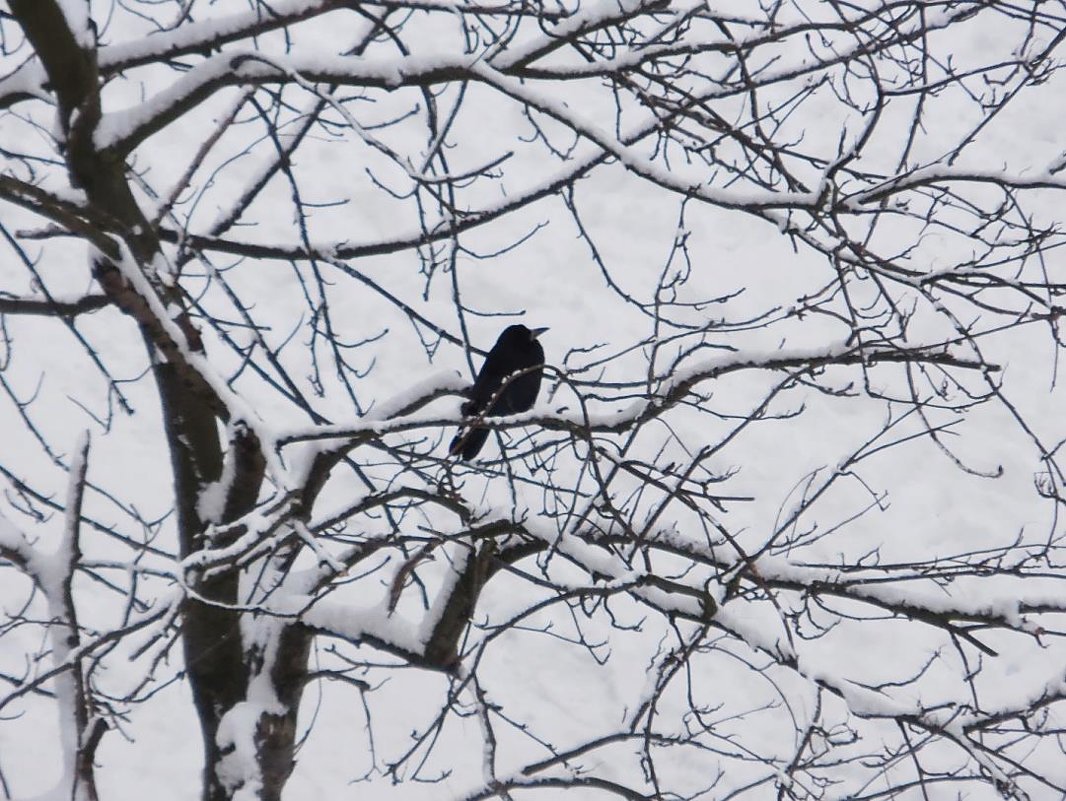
(121, 131)
(941, 174)
(670, 389)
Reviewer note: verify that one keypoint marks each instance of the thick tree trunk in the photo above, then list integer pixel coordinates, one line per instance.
(211, 640)
(216, 658)
(278, 732)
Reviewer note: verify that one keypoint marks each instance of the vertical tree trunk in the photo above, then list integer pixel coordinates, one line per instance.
(216, 659)
(211, 639)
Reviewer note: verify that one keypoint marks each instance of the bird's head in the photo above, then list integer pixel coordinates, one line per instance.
(520, 334)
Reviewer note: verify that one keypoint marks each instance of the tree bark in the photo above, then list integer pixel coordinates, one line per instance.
(215, 656)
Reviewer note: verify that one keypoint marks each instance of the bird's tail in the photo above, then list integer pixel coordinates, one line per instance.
(467, 444)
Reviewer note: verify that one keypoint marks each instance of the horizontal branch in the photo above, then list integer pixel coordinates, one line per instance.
(937, 174)
(54, 307)
(674, 388)
(121, 131)
(80, 220)
(194, 38)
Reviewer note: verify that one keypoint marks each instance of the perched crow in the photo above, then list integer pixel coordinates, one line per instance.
(497, 391)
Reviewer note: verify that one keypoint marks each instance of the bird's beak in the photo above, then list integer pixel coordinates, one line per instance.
(536, 332)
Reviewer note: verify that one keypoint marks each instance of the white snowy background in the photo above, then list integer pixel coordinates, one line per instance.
(927, 508)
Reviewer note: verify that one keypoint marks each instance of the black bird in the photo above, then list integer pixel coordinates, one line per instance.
(497, 391)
